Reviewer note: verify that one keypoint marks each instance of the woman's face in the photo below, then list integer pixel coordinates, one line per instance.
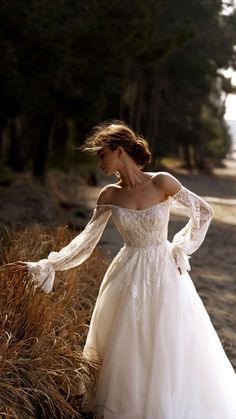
(108, 160)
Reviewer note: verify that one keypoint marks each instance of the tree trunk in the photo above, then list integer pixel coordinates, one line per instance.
(43, 147)
(187, 155)
(1, 145)
(131, 107)
(59, 140)
(15, 159)
(199, 158)
(198, 146)
(139, 105)
(154, 112)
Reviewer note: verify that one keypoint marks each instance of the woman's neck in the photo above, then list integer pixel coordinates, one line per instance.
(131, 179)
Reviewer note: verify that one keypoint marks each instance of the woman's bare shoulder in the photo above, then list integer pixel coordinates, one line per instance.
(167, 183)
(163, 176)
(106, 194)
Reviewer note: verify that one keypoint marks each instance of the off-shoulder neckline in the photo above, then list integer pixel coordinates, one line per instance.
(142, 209)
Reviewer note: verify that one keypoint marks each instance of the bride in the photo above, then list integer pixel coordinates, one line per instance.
(150, 341)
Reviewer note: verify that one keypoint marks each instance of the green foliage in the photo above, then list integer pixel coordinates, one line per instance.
(152, 63)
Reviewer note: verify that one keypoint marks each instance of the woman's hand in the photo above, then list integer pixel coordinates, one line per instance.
(18, 266)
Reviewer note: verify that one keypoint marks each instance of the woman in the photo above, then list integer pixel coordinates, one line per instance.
(150, 339)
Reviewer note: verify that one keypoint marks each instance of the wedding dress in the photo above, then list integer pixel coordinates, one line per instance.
(158, 353)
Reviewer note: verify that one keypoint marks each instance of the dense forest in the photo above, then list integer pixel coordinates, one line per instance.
(67, 65)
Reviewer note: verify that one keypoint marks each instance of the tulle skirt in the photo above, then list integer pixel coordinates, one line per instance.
(159, 354)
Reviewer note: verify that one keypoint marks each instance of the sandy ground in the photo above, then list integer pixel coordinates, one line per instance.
(213, 265)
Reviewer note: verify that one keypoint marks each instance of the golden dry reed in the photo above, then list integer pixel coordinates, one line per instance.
(42, 335)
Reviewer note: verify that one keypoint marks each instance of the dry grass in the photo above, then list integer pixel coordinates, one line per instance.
(42, 335)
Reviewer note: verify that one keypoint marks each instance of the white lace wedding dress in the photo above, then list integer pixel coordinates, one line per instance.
(158, 353)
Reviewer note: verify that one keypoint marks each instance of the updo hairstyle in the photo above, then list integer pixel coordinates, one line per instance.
(112, 134)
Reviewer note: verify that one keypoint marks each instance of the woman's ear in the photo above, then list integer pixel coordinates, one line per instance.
(120, 151)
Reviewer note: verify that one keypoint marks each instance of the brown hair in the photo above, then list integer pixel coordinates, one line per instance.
(115, 133)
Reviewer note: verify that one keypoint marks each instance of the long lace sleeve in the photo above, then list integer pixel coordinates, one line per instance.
(75, 253)
(191, 236)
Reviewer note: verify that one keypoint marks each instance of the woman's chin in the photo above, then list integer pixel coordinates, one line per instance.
(106, 172)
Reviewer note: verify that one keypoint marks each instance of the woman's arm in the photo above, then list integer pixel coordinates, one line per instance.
(200, 214)
(74, 254)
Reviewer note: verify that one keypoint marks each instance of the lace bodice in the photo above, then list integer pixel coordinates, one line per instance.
(142, 228)
(139, 228)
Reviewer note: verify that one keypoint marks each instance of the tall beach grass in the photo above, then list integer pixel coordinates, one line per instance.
(42, 335)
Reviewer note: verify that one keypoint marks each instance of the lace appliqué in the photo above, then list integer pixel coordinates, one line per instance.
(143, 287)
